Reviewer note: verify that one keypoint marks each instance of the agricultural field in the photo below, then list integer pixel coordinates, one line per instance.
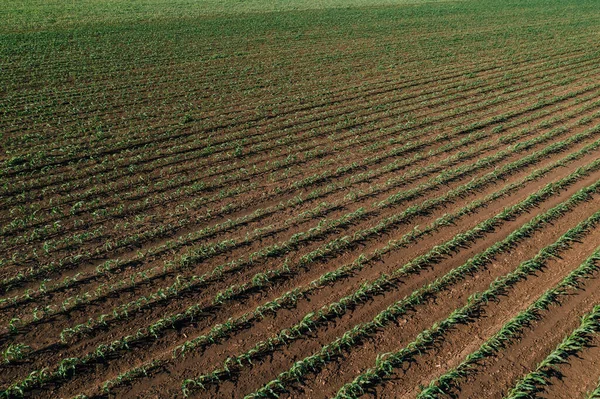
(296, 199)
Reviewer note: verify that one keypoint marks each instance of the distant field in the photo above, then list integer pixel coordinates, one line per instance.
(47, 14)
(330, 199)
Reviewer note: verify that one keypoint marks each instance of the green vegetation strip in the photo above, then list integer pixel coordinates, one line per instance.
(200, 186)
(55, 266)
(80, 206)
(448, 383)
(595, 394)
(273, 136)
(534, 383)
(207, 251)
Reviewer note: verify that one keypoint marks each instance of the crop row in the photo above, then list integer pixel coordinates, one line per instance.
(226, 140)
(421, 57)
(415, 145)
(186, 283)
(534, 383)
(433, 74)
(243, 143)
(447, 384)
(328, 97)
(595, 394)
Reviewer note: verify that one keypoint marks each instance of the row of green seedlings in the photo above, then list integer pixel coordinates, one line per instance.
(534, 383)
(448, 384)
(595, 394)
(111, 266)
(377, 77)
(444, 385)
(387, 363)
(69, 365)
(81, 201)
(458, 72)
(263, 279)
(181, 284)
(31, 253)
(221, 331)
(15, 352)
(419, 296)
(395, 165)
(368, 175)
(13, 325)
(396, 106)
(217, 67)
